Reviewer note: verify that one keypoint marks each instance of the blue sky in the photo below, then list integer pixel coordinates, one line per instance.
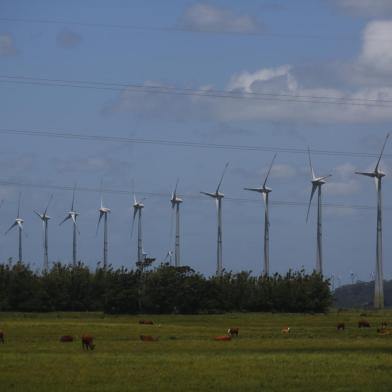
(336, 48)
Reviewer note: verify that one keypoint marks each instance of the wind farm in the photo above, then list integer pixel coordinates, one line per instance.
(183, 198)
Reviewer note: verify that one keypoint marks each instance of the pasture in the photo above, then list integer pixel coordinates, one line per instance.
(312, 357)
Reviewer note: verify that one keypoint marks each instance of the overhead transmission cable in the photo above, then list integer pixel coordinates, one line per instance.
(62, 134)
(185, 29)
(167, 195)
(203, 93)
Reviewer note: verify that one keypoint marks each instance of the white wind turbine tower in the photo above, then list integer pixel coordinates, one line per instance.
(137, 211)
(317, 183)
(45, 220)
(218, 198)
(72, 215)
(103, 213)
(264, 190)
(175, 202)
(18, 223)
(377, 174)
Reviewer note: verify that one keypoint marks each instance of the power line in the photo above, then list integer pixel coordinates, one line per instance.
(53, 133)
(201, 91)
(216, 94)
(167, 195)
(184, 29)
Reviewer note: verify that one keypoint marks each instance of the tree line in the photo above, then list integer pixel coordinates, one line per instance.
(163, 289)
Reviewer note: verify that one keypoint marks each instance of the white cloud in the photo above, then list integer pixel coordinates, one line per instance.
(282, 171)
(279, 91)
(368, 8)
(282, 94)
(68, 39)
(376, 53)
(7, 45)
(343, 182)
(205, 17)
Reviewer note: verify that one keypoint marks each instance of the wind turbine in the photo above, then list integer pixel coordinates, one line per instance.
(103, 213)
(218, 198)
(137, 211)
(377, 174)
(175, 202)
(45, 220)
(265, 191)
(72, 215)
(18, 223)
(317, 183)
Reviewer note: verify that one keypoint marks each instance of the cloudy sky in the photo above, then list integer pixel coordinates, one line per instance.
(264, 76)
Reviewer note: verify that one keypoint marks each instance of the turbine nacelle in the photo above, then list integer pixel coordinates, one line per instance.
(175, 200)
(216, 195)
(138, 206)
(263, 189)
(317, 181)
(104, 210)
(376, 174)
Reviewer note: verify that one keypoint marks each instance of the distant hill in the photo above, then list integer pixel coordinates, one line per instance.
(360, 295)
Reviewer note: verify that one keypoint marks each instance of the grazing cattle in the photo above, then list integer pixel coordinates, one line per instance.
(2, 337)
(363, 324)
(384, 331)
(340, 326)
(66, 338)
(222, 338)
(147, 322)
(148, 338)
(87, 342)
(233, 331)
(286, 330)
(384, 324)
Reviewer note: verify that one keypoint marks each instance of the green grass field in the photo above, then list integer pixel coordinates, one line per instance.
(313, 357)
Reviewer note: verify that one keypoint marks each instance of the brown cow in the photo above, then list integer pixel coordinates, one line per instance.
(222, 338)
(147, 322)
(233, 331)
(66, 338)
(340, 326)
(87, 342)
(286, 330)
(384, 324)
(148, 338)
(1, 336)
(363, 324)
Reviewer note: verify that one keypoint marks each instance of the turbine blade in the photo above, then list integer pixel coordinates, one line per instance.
(382, 151)
(73, 198)
(172, 222)
(325, 177)
(133, 220)
(209, 194)
(101, 214)
(65, 219)
(11, 227)
(38, 214)
(47, 206)
(20, 195)
(221, 179)
(101, 193)
(366, 174)
(175, 189)
(314, 187)
(310, 165)
(1, 203)
(269, 170)
(252, 189)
